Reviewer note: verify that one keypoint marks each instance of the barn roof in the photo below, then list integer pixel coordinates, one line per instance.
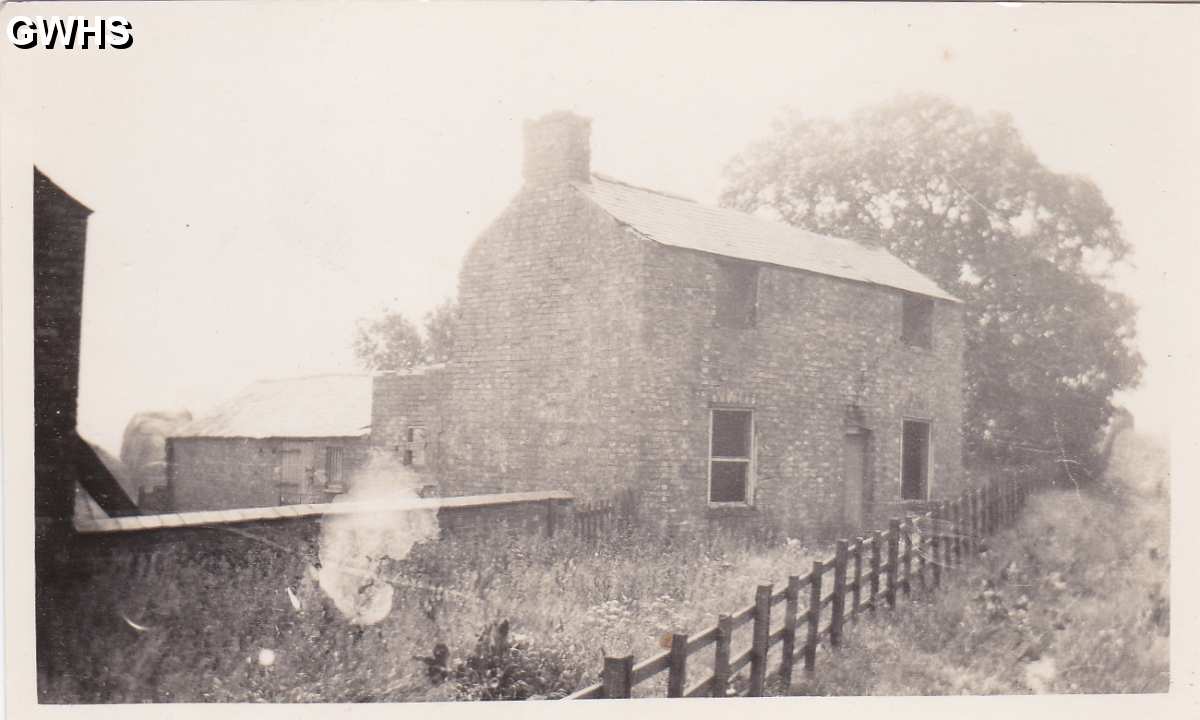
(683, 223)
(313, 406)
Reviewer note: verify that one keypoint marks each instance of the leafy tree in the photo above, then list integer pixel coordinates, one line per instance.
(391, 341)
(440, 324)
(960, 197)
(388, 342)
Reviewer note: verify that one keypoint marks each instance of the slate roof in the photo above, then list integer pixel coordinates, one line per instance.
(303, 407)
(683, 223)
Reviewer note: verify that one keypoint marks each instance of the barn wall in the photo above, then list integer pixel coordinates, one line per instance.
(225, 473)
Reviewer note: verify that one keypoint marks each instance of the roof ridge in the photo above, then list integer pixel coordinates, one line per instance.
(673, 196)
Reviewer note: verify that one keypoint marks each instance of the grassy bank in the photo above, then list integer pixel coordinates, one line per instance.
(255, 626)
(1073, 599)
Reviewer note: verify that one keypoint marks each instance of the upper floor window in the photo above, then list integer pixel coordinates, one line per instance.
(737, 294)
(731, 457)
(917, 322)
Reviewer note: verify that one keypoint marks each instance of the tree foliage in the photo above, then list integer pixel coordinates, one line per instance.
(960, 197)
(390, 341)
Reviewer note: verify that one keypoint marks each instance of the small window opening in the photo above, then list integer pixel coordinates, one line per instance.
(917, 324)
(334, 467)
(914, 472)
(737, 294)
(731, 456)
(415, 446)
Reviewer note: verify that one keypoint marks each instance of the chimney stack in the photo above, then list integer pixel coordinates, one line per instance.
(557, 149)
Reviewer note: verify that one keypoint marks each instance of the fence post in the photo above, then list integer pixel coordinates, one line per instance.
(720, 682)
(838, 608)
(994, 509)
(955, 534)
(814, 615)
(972, 521)
(983, 510)
(762, 628)
(677, 665)
(618, 677)
(876, 565)
(856, 596)
(935, 545)
(906, 584)
(893, 559)
(791, 609)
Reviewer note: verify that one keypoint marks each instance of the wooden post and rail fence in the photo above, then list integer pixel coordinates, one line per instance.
(863, 572)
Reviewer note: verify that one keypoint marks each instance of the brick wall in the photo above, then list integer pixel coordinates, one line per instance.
(587, 359)
(404, 400)
(540, 389)
(60, 237)
(818, 345)
(222, 473)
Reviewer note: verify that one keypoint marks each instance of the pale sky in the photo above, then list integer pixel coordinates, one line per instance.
(263, 175)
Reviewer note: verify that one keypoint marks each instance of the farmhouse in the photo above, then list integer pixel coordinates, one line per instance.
(278, 442)
(727, 368)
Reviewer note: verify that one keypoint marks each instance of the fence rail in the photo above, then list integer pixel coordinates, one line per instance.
(940, 540)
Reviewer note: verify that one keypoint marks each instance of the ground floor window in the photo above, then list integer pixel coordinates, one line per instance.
(731, 456)
(914, 468)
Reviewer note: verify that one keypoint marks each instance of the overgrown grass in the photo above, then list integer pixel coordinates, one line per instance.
(195, 629)
(1073, 599)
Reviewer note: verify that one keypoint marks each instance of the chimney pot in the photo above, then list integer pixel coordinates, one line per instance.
(558, 149)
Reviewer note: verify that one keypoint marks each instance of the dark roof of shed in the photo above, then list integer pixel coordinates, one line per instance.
(683, 223)
(303, 407)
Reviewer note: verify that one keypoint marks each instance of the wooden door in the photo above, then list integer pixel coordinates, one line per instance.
(854, 469)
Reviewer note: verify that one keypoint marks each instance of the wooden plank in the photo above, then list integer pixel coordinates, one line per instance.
(788, 635)
(856, 603)
(838, 609)
(876, 554)
(743, 616)
(591, 692)
(703, 639)
(776, 636)
(700, 689)
(647, 669)
(969, 522)
(814, 615)
(935, 548)
(893, 550)
(677, 670)
(743, 659)
(760, 646)
(618, 677)
(721, 672)
(957, 514)
(906, 558)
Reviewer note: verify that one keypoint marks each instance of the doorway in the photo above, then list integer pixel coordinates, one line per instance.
(854, 470)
